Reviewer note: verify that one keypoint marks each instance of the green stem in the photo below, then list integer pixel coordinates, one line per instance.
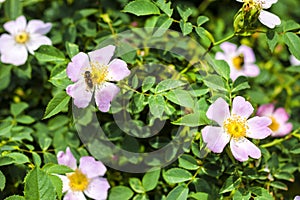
(224, 39)
(277, 141)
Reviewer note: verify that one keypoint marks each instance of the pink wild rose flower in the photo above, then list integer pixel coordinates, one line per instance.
(86, 179)
(240, 60)
(279, 118)
(92, 73)
(22, 38)
(234, 127)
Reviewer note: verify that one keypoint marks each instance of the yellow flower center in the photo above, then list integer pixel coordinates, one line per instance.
(238, 61)
(22, 37)
(78, 181)
(99, 73)
(236, 126)
(275, 125)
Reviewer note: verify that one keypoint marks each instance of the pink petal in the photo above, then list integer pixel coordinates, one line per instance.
(251, 70)
(248, 54)
(228, 48)
(241, 149)
(12, 52)
(91, 168)
(269, 19)
(234, 74)
(76, 68)
(104, 95)
(13, 27)
(38, 26)
(72, 195)
(37, 40)
(81, 94)
(97, 189)
(284, 129)
(294, 61)
(241, 107)
(258, 127)
(117, 70)
(65, 180)
(265, 110)
(220, 56)
(215, 138)
(281, 115)
(102, 55)
(297, 198)
(66, 159)
(218, 111)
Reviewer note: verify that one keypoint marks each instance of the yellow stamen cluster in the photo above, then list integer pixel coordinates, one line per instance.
(78, 181)
(99, 73)
(275, 125)
(236, 126)
(238, 61)
(22, 37)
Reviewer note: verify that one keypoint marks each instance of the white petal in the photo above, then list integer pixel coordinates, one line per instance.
(74, 196)
(269, 19)
(268, 3)
(65, 180)
(37, 40)
(15, 26)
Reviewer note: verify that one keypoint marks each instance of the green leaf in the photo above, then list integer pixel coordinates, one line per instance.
(15, 197)
(2, 181)
(192, 120)
(51, 168)
(272, 39)
(38, 186)
(72, 49)
(120, 192)
(261, 192)
(293, 42)
(150, 180)
(295, 149)
(17, 108)
(214, 82)
(141, 7)
(5, 160)
(25, 119)
(180, 192)
(240, 83)
(199, 195)
(295, 69)
(13, 9)
(284, 176)
(59, 77)
(163, 24)
(165, 7)
(239, 195)
(148, 82)
(184, 12)
(138, 103)
(279, 185)
(186, 27)
(222, 68)
(230, 184)
(290, 25)
(57, 104)
(188, 162)
(168, 84)
(57, 183)
(156, 105)
(47, 53)
(19, 158)
(177, 175)
(136, 185)
(201, 20)
(5, 76)
(36, 159)
(180, 97)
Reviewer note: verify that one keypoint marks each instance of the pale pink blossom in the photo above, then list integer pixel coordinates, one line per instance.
(92, 73)
(85, 180)
(294, 61)
(22, 38)
(268, 19)
(234, 127)
(240, 60)
(280, 127)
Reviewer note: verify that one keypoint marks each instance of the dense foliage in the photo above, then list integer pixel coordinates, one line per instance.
(155, 137)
